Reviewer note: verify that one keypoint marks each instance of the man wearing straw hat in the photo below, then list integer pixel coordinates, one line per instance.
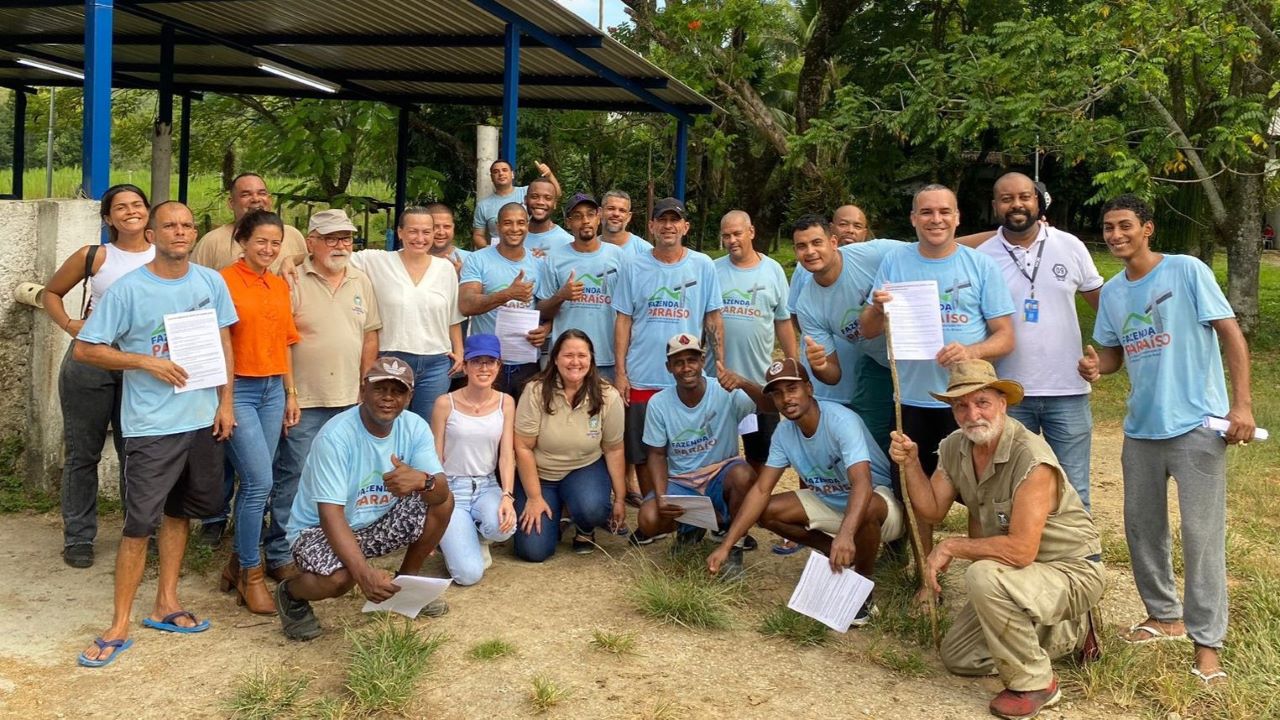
(1036, 568)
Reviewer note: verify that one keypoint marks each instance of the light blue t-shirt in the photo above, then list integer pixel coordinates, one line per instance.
(346, 465)
(754, 299)
(830, 315)
(663, 300)
(593, 314)
(458, 254)
(823, 461)
(699, 436)
(799, 276)
(494, 272)
(971, 291)
(486, 214)
(1161, 323)
(544, 242)
(636, 245)
(130, 316)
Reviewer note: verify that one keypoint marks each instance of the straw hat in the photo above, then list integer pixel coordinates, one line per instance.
(970, 376)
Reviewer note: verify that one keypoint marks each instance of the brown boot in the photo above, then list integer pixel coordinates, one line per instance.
(230, 573)
(288, 571)
(253, 592)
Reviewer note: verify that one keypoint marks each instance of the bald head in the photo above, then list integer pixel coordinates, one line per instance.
(738, 236)
(849, 224)
(1015, 203)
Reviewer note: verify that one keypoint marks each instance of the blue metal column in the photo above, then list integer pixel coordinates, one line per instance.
(184, 150)
(19, 140)
(682, 157)
(96, 154)
(402, 172)
(510, 94)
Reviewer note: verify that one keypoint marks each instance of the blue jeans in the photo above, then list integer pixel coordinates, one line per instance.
(259, 406)
(290, 455)
(476, 501)
(587, 490)
(430, 380)
(1067, 425)
(714, 489)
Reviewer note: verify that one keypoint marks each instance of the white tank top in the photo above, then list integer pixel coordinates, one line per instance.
(471, 442)
(117, 263)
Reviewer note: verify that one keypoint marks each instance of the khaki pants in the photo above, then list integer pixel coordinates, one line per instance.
(1018, 620)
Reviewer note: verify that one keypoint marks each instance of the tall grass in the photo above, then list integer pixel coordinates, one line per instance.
(266, 693)
(386, 660)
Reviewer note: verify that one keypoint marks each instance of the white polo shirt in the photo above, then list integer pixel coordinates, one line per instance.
(1045, 352)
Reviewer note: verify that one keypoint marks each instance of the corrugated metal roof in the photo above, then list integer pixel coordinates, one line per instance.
(396, 51)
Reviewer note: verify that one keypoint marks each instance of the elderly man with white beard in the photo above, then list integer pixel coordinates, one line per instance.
(337, 316)
(1036, 569)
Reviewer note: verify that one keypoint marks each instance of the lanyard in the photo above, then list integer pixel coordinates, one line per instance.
(1035, 268)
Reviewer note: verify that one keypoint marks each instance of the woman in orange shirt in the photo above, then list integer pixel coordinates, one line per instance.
(265, 398)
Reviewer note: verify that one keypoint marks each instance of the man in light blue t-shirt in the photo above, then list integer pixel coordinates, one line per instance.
(578, 281)
(753, 289)
(616, 216)
(544, 234)
(372, 485)
(505, 274)
(173, 441)
(484, 223)
(1163, 316)
(847, 507)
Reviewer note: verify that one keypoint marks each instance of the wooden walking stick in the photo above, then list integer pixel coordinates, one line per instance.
(916, 548)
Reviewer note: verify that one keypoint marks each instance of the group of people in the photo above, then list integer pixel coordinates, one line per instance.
(371, 407)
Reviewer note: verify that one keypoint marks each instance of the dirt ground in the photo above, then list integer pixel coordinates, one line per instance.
(49, 612)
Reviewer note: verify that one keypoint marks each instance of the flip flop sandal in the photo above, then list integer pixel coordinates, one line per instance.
(117, 647)
(1154, 634)
(167, 624)
(1217, 677)
(786, 547)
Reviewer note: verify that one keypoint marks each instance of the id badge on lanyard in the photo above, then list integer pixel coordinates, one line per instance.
(1031, 310)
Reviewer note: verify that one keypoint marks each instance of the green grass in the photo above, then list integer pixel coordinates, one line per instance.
(617, 643)
(897, 658)
(786, 623)
(491, 649)
(385, 661)
(267, 693)
(681, 591)
(546, 693)
(15, 494)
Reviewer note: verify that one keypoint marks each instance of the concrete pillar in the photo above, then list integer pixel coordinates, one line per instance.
(486, 153)
(1273, 219)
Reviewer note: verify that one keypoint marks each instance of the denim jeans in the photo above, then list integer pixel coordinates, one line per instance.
(290, 455)
(259, 406)
(430, 380)
(588, 492)
(513, 378)
(90, 399)
(476, 501)
(1067, 425)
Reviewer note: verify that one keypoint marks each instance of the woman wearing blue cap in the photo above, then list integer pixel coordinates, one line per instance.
(473, 431)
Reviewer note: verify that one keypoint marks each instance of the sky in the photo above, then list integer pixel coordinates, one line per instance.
(590, 10)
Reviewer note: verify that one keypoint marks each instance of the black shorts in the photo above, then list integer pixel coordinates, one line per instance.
(178, 475)
(633, 433)
(400, 527)
(755, 446)
(928, 427)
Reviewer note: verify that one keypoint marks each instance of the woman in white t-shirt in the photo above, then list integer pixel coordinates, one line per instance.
(418, 300)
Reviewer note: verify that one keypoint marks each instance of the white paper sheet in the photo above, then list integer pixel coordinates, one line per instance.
(1222, 425)
(512, 327)
(698, 510)
(832, 599)
(749, 424)
(415, 593)
(195, 345)
(916, 320)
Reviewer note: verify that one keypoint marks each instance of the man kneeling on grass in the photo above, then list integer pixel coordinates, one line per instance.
(372, 484)
(1036, 568)
(847, 508)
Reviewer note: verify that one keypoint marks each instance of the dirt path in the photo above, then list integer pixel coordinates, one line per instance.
(49, 612)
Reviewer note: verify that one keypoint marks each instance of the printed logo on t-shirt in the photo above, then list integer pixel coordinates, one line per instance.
(825, 480)
(670, 303)
(595, 289)
(1060, 272)
(850, 328)
(1143, 333)
(593, 427)
(949, 302)
(160, 342)
(511, 303)
(742, 303)
(695, 440)
(373, 492)
(357, 305)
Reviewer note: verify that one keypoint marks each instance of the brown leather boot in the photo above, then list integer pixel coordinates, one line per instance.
(230, 573)
(288, 571)
(253, 592)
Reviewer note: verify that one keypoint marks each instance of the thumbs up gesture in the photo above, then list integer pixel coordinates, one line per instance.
(729, 380)
(403, 480)
(816, 354)
(1088, 365)
(520, 290)
(572, 290)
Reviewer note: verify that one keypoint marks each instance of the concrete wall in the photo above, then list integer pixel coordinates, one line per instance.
(18, 237)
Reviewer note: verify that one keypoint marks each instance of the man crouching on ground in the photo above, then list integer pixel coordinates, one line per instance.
(372, 484)
(1036, 568)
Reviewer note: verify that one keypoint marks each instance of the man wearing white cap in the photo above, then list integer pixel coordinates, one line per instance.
(218, 249)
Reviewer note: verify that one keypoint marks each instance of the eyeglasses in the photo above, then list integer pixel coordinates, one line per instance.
(336, 240)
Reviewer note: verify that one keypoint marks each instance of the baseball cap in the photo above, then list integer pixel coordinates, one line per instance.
(788, 369)
(330, 221)
(682, 342)
(669, 204)
(390, 368)
(578, 199)
(481, 346)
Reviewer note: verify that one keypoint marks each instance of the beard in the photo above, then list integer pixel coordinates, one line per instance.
(1018, 226)
(983, 432)
(335, 262)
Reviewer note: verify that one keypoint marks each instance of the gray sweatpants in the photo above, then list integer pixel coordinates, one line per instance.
(1197, 461)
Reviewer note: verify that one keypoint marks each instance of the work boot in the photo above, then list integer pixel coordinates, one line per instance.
(1025, 704)
(280, 573)
(79, 555)
(211, 533)
(297, 619)
(252, 591)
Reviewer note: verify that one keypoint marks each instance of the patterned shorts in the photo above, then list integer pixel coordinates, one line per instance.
(400, 527)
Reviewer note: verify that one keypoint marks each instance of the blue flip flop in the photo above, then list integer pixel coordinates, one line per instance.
(167, 624)
(118, 647)
(782, 548)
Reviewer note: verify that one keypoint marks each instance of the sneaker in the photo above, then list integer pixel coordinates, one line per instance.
(686, 536)
(748, 543)
(296, 616)
(486, 555)
(79, 555)
(435, 608)
(584, 543)
(732, 570)
(211, 533)
(638, 538)
(865, 613)
(1025, 704)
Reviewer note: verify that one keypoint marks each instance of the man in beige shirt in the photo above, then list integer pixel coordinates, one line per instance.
(218, 249)
(337, 315)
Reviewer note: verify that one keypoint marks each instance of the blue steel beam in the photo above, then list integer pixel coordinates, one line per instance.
(510, 94)
(96, 154)
(682, 157)
(314, 39)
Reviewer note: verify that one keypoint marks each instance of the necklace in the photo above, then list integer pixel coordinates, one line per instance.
(469, 405)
